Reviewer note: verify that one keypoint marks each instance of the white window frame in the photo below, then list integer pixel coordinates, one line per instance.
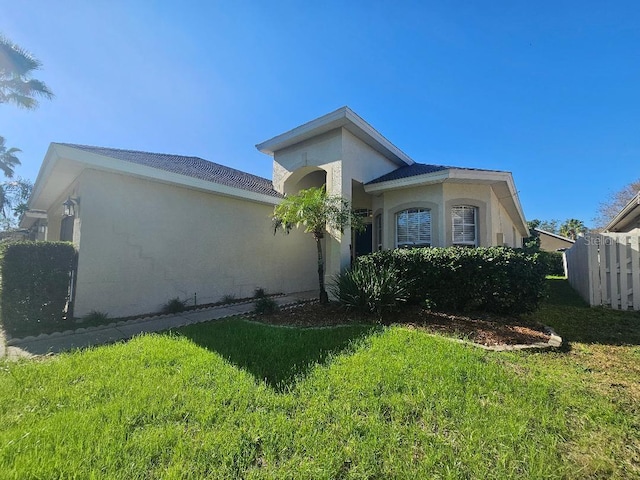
(464, 241)
(421, 235)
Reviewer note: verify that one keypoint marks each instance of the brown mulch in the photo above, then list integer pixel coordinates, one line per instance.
(485, 329)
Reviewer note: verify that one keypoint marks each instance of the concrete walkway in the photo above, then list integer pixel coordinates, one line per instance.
(86, 337)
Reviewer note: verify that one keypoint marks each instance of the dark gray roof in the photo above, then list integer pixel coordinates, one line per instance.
(409, 171)
(420, 169)
(190, 166)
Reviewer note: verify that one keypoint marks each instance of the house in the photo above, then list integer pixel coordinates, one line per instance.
(551, 242)
(150, 227)
(627, 219)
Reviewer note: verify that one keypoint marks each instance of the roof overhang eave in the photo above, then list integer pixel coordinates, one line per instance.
(625, 216)
(75, 161)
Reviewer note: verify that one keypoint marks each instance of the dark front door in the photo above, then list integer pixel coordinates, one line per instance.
(364, 241)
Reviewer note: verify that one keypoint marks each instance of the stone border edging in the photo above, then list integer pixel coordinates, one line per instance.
(555, 341)
(18, 341)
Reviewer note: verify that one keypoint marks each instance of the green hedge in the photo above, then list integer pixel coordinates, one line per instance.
(35, 282)
(553, 261)
(495, 279)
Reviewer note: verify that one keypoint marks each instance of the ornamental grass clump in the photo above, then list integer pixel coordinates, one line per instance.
(367, 289)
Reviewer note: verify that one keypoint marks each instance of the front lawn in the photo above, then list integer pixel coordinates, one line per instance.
(236, 399)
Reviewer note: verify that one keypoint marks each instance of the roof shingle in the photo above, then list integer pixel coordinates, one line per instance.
(409, 171)
(190, 166)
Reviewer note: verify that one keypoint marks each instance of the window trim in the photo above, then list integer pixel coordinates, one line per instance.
(465, 243)
(410, 244)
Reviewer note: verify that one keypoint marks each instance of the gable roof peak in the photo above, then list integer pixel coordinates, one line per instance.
(343, 117)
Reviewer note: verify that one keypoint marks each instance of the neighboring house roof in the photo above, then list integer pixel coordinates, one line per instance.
(554, 235)
(628, 218)
(190, 166)
(345, 118)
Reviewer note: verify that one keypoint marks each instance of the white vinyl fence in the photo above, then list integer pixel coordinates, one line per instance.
(605, 269)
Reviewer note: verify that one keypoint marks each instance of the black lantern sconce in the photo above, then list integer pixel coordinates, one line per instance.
(69, 207)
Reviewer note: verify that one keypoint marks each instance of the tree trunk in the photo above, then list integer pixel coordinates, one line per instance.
(324, 298)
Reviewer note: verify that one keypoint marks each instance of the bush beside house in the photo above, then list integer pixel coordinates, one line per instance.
(494, 279)
(35, 285)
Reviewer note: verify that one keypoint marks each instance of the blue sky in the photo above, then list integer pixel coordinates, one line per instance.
(547, 90)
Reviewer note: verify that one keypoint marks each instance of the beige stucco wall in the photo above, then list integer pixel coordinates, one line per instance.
(344, 158)
(440, 198)
(549, 243)
(503, 223)
(428, 196)
(144, 242)
(54, 215)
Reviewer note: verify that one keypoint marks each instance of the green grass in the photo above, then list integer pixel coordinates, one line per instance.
(275, 355)
(237, 399)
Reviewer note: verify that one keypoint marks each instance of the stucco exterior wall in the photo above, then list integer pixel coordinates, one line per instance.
(54, 215)
(428, 196)
(361, 162)
(476, 195)
(144, 242)
(502, 223)
(344, 158)
(549, 243)
(440, 198)
(293, 163)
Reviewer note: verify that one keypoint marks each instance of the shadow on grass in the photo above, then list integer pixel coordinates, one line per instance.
(276, 355)
(575, 321)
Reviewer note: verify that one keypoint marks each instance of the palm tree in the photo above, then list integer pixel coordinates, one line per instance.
(8, 159)
(571, 228)
(16, 84)
(316, 211)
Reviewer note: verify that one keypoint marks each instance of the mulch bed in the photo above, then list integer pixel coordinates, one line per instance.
(485, 329)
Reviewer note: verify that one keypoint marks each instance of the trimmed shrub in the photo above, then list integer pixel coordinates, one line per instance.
(35, 286)
(494, 279)
(175, 305)
(553, 262)
(265, 306)
(368, 289)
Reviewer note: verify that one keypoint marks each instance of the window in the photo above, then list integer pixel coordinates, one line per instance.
(379, 232)
(413, 227)
(465, 226)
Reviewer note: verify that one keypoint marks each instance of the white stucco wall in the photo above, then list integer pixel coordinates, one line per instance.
(144, 242)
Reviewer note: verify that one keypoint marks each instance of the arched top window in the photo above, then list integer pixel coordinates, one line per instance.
(413, 228)
(465, 225)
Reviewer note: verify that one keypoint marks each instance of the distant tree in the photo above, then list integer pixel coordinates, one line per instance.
(14, 196)
(16, 85)
(532, 242)
(572, 227)
(8, 159)
(551, 226)
(316, 211)
(608, 209)
(533, 224)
